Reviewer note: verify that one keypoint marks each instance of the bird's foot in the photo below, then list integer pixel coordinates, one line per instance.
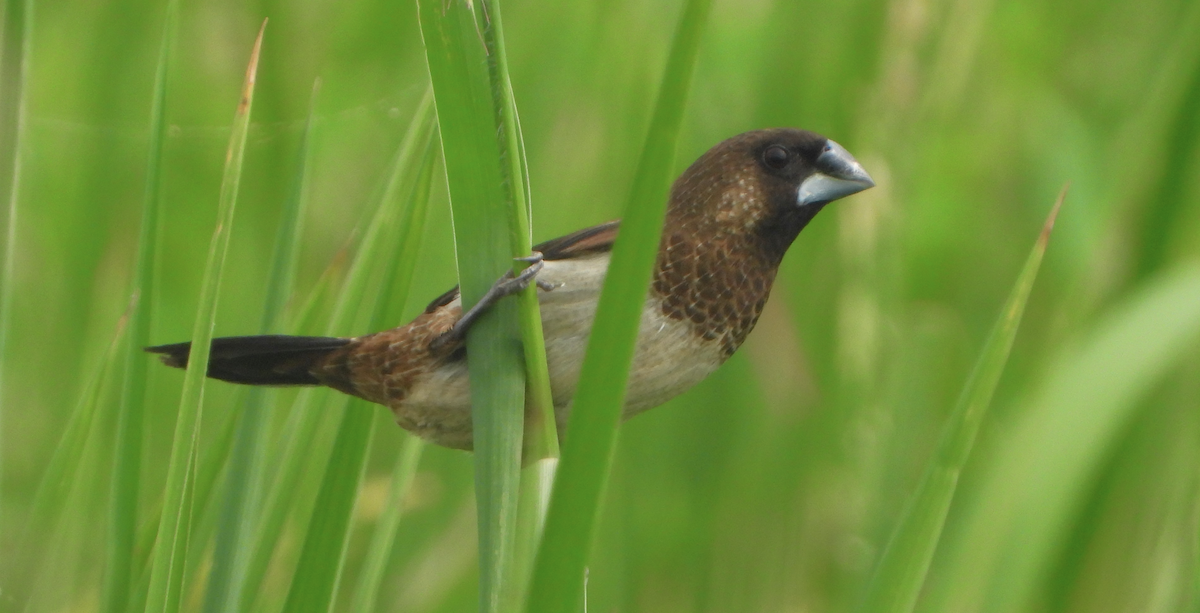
(535, 260)
(506, 285)
(509, 284)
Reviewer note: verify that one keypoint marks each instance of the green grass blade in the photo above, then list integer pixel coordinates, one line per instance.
(1008, 540)
(462, 84)
(380, 548)
(285, 259)
(399, 266)
(300, 442)
(63, 468)
(900, 572)
(166, 578)
(307, 415)
(8, 264)
(318, 573)
(297, 436)
(123, 509)
(1168, 199)
(541, 431)
(537, 485)
(559, 573)
(543, 434)
(71, 470)
(247, 463)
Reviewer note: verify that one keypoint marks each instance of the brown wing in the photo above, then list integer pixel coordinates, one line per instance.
(596, 239)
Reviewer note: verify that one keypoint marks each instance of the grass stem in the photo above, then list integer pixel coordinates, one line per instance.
(558, 580)
(900, 573)
(167, 568)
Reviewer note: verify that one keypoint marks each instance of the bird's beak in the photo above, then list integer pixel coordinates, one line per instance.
(838, 175)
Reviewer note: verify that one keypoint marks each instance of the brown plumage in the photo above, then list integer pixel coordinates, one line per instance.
(730, 219)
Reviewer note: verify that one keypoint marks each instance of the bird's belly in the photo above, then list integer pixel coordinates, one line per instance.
(669, 360)
(670, 357)
(437, 407)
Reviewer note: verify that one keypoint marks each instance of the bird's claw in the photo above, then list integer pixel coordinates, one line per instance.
(506, 285)
(512, 284)
(536, 263)
(532, 258)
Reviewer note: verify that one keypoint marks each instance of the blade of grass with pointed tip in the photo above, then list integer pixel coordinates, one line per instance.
(559, 572)
(307, 317)
(166, 576)
(303, 427)
(318, 573)
(1005, 544)
(900, 572)
(458, 64)
(247, 463)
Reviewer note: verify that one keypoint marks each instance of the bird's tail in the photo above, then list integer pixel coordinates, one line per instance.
(258, 360)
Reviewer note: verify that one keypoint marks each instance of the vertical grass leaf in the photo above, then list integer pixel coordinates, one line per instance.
(557, 584)
(1007, 540)
(1169, 197)
(246, 464)
(403, 263)
(166, 575)
(380, 548)
(125, 491)
(459, 69)
(318, 573)
(67, 467)
(542, 433)
(303, 428)
(20, 95)
(901, 570)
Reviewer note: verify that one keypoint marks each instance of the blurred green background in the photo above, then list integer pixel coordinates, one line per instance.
(774, 484)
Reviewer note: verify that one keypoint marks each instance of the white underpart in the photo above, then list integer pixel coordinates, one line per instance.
(670, 357)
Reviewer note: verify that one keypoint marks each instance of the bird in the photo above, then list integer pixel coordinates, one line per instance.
(730, 218)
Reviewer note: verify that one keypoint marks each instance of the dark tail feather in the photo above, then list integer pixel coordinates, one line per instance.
(258, 360)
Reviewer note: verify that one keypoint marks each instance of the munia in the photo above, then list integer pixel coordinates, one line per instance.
(731, 217)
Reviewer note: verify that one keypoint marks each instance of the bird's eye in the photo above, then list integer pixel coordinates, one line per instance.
(776, 157)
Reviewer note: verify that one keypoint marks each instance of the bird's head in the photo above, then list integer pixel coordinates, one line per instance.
(764, 186)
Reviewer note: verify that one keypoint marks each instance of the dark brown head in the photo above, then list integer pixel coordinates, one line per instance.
(732, 216)
(764, 186)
